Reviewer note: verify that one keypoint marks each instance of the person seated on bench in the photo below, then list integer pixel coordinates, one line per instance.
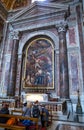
(27, 112)
(4, 110)
(36, 112)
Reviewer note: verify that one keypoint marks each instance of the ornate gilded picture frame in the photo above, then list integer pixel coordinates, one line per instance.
(38, 65)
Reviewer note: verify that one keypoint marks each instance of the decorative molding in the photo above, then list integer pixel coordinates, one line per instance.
(16, 35)
(62, 26)
(12, 33)
(43, 8)
(27, 36)
(34, 27)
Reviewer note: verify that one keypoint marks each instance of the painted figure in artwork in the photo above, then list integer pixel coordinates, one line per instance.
(39, 64)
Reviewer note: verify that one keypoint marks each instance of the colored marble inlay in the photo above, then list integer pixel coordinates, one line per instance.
(74, 72)
(72, 36)
(79, 15)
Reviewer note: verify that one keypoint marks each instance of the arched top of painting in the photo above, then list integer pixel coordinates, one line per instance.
(42, 43)
(39, 41)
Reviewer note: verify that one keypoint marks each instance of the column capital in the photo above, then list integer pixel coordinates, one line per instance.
(15, 35)
(62, 26)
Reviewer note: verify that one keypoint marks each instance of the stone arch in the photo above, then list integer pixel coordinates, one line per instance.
(55, 40)
(49, 34)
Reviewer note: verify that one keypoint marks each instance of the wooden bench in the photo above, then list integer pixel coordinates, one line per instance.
(12, 127)
(17, 112)
(18, 117)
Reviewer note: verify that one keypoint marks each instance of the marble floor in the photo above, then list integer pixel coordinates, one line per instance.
(67, 121)
(63, 125)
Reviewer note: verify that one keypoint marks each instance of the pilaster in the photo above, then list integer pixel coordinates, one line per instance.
(13, 70)
(63, 61)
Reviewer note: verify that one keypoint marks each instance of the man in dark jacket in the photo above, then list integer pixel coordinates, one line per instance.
(44, 116)
(4, 110)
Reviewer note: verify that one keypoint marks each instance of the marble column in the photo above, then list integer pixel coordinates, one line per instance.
(13, 70)
(63, 61)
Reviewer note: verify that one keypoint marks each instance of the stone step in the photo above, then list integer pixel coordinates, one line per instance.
(59, 116)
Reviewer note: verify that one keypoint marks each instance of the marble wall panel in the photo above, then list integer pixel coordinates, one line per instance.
(74, 73)
(80, 31)
(18, 77)
(72, 40)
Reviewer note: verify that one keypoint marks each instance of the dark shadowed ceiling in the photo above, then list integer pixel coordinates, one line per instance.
(14, 4)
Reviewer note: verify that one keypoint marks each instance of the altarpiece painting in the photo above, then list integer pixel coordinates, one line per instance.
(38, 65)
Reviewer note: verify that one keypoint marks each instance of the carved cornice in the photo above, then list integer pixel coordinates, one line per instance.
(48, 16)
(26, 19)
(41, 10)
(39, 26)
